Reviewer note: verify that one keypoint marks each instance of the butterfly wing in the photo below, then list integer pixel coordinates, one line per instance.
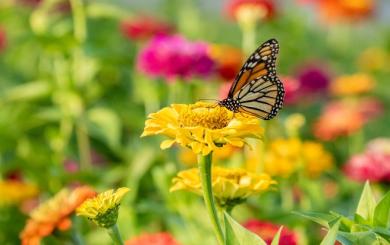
(262, 97)
(260, 63)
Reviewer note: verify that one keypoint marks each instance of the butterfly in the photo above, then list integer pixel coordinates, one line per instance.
(256, 89)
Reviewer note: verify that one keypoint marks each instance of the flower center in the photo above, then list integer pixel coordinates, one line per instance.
(205, 115)
(250, 13)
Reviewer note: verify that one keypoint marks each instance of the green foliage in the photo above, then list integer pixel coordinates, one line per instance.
(369, 226)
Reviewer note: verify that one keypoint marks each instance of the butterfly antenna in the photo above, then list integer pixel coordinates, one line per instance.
(208, 100)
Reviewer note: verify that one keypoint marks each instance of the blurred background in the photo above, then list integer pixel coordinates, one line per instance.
(79, 77)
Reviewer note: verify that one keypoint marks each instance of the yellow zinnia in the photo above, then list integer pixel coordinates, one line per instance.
(14, 192)
(230, 186)
(286, 156)
(201, 126)
(103, 209)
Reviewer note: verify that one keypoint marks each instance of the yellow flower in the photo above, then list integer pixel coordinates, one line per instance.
(230, 186)
(352, 84)
(14, 192)
(316, 158)
(373, 59)
(202, 127)
(286, 156)
(294, 123)
(103, 209)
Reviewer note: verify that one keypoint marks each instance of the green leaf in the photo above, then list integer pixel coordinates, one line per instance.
(330, 237)
(359, 238)
(367, 203)
(27, 91)
(105, 124)
(382, 212)
(320, 218)
(275, 241)
(236, 234)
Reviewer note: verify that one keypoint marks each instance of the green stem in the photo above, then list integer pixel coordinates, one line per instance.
(83, 144)
(79, 22)
(248, 37)
(76, 237)
(204, 163)
(113, 231)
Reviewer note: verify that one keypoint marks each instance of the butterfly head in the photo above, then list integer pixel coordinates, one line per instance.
(231, 104)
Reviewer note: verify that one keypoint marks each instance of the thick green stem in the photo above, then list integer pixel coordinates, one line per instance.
(204, 163)
(113, 231)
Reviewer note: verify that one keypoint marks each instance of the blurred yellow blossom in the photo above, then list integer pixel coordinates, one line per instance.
(203, 127)
(103, 209)
(354, 84)
(283, 157)
(230, 185)
(189, 158)
(373, 59)
(14, 192)
(294, 123)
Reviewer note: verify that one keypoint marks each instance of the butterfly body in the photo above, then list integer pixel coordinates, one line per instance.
(256, 89)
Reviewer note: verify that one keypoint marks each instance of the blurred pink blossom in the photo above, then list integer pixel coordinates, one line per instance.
(173, 57)
(313, 78)
(291, 88)
(369, 166)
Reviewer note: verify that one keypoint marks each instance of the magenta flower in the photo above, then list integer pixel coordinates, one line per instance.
(313, 78)
(373, 164)
(173, 57)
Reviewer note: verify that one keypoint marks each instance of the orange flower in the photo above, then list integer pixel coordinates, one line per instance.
(228, 60)
(352, 84)
(54, 214)
(345, 10)
(342, 118)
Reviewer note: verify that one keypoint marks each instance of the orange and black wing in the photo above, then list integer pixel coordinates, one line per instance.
(260, 63)
(262, 97)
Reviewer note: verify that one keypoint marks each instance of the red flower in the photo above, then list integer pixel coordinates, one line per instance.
(145, 27)
(267, 232)
(263, 9)
(162, 238)
(3, 39)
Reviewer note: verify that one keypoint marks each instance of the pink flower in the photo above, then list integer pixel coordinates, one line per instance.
(267, 232)
(173, 57)
(145, 27)
(162, 238)
(291, 88)
(373, 164)
(368, 166)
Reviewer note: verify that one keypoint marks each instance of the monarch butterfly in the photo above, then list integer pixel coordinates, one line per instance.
(256, 89)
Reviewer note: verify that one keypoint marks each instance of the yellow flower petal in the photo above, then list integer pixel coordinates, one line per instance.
(202, 127)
